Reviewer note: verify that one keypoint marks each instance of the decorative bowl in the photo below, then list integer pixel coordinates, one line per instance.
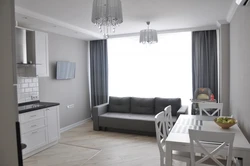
(225, 125)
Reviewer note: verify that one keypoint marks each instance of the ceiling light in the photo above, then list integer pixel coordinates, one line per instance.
(107, 14)
(148, 35)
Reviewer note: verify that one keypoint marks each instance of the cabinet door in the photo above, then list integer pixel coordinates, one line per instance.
(34, 139)
(42, 58)
(53, 124)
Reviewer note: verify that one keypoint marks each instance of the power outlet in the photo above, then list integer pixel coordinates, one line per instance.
(70, 106)
(34, 97)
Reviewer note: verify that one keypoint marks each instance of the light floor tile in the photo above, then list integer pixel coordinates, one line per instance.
(82, 146)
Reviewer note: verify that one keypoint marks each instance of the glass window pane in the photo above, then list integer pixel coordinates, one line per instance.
(158, 70)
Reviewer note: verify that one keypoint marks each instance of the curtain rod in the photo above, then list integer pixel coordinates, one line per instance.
(203, 28)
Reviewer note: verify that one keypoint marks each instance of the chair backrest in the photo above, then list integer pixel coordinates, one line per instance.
(160, 128)
(168, 118)
(219, 140)
(203, 107)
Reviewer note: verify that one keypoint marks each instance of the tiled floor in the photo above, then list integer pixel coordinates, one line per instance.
(82, 146)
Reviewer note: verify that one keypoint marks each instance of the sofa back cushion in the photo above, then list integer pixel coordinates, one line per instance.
(142, 105)
(161, 103)
(119, 104)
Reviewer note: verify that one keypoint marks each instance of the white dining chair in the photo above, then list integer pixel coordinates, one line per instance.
(161, 135)
(168, 118)
(219, 141)
(206, 108)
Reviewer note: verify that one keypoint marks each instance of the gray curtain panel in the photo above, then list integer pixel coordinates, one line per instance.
(204, 59)
(99, 72)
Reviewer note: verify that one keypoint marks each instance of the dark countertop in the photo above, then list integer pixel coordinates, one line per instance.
(34, 105)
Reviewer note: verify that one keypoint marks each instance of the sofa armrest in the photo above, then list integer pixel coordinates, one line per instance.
(182, 110)
(96, 111)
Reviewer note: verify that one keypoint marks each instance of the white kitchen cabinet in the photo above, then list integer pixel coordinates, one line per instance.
(53, 125)
(42, 55)
(40, 129)
(31, 116)
(32, 53)
(33, 125)
(35, 139)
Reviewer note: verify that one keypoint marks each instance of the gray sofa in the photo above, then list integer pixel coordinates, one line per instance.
(134, 114)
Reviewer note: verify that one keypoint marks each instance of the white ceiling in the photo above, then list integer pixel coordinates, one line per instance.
(73, 17)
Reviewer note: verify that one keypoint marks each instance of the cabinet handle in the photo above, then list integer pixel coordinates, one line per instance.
(34, 132)
(33, 116)
(33, 126)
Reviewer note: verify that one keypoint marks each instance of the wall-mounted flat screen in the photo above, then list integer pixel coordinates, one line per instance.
(65, 70)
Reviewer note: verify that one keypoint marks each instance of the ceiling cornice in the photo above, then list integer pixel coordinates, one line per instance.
(232, 11)
(221, 22)
(56, 22)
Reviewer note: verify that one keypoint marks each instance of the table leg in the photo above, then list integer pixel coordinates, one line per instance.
(168, 154)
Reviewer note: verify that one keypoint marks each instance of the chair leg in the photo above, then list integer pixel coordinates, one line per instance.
(162, 160)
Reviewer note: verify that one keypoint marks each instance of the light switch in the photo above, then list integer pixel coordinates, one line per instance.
(70, 106)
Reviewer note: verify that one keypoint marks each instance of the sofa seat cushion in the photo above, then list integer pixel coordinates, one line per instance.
(129, 116)
(128, 121)
(142, 105)
(161, 103)
(119, 104)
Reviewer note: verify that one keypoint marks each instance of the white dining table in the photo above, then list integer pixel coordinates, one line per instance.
(178, 138)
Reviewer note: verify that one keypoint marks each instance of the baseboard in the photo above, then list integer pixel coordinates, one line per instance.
(74, 125)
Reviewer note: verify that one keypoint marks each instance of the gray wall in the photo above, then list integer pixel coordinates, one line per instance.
(67, 92)
(8, 100)
(240, 68)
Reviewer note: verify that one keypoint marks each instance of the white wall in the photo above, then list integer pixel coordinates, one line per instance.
(8, 100)
(67, 92)
(240, 68)
(224, 68)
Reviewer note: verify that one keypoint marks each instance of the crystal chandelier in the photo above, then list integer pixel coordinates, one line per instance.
(107, 14)
(148, 35)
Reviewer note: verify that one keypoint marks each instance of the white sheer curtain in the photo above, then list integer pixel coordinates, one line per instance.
(158, 70)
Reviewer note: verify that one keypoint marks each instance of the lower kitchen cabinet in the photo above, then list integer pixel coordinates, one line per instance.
(34, 139)
(53, 124)
(40, 129)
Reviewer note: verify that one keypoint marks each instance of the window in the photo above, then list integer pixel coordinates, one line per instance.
(158, 70)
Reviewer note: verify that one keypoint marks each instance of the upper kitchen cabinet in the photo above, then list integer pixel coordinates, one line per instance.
(32, 53)
(41, 42)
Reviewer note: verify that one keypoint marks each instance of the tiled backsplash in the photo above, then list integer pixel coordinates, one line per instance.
(27, 89)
